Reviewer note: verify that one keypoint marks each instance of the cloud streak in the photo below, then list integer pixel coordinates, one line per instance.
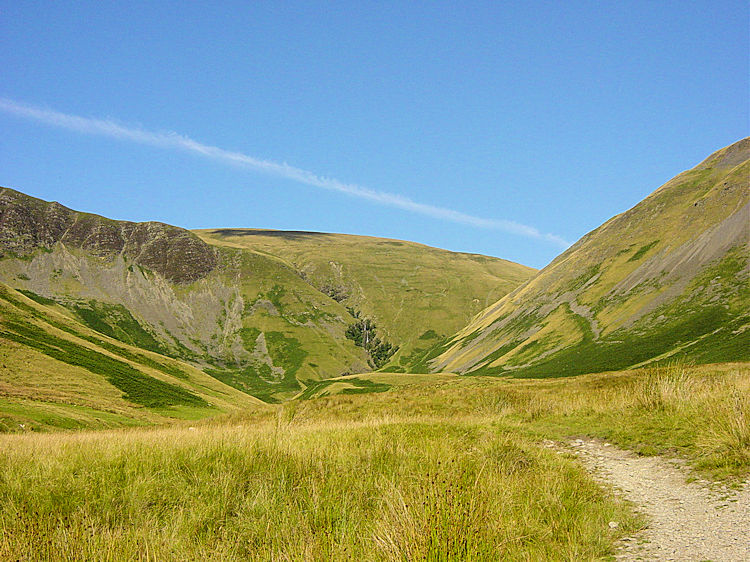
(175, 141)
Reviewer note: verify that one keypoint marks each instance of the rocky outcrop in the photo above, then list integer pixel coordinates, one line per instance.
(28, 224)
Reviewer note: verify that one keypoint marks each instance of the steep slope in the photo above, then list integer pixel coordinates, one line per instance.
(55, 372)
(416, 295)
(666, 279)
(28, 224)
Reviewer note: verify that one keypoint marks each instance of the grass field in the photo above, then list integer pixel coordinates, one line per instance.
(452, 469)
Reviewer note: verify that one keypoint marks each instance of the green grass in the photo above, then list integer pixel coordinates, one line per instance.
(583, 278)
(28, 415)
(116, 321)
(622, 350)
(38, 298)
(137, 387)
(275, 295)
(165, 366)
(418, 361)
(642, 251)
(453, 469)
(381, 490)
(357, 386)
(257, 379)
(286, 352)
(429, 335)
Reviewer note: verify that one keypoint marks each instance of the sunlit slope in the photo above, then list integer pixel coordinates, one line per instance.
(245, 318)
(449, 468)
(666, 279)
(415, 294)
(56, 372)
(251, 322)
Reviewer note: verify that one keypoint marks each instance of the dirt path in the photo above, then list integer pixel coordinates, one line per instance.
(687, 521)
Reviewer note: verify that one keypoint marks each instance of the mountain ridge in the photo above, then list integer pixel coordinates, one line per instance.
(228, 230)
(28, 223)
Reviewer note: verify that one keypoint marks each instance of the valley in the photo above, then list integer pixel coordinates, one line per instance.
(255, 316)
(235, 393)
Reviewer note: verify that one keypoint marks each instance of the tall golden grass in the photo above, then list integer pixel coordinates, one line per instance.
(370, 490)
(449, 471)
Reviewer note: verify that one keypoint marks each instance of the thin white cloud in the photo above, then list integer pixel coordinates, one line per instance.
(171, 140)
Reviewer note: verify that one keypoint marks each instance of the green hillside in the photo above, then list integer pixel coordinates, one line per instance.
(416, 295)
(667, 279)
(276, 315)
(255, 316)
(57, 373)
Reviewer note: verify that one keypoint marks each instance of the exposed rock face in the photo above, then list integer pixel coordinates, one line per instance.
(27, 224)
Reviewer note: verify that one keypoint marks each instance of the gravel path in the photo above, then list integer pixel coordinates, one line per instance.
(687, 521)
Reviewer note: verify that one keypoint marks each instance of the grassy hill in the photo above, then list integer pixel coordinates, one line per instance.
(670, 278)
(244, 318)
(266, 318)
(416, 295)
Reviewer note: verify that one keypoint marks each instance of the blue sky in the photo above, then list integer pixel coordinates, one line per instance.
(497, 128)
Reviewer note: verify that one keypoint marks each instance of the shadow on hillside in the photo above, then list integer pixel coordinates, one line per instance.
(285, 234)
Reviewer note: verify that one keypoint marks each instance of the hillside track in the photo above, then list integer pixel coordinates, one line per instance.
(697, 520)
